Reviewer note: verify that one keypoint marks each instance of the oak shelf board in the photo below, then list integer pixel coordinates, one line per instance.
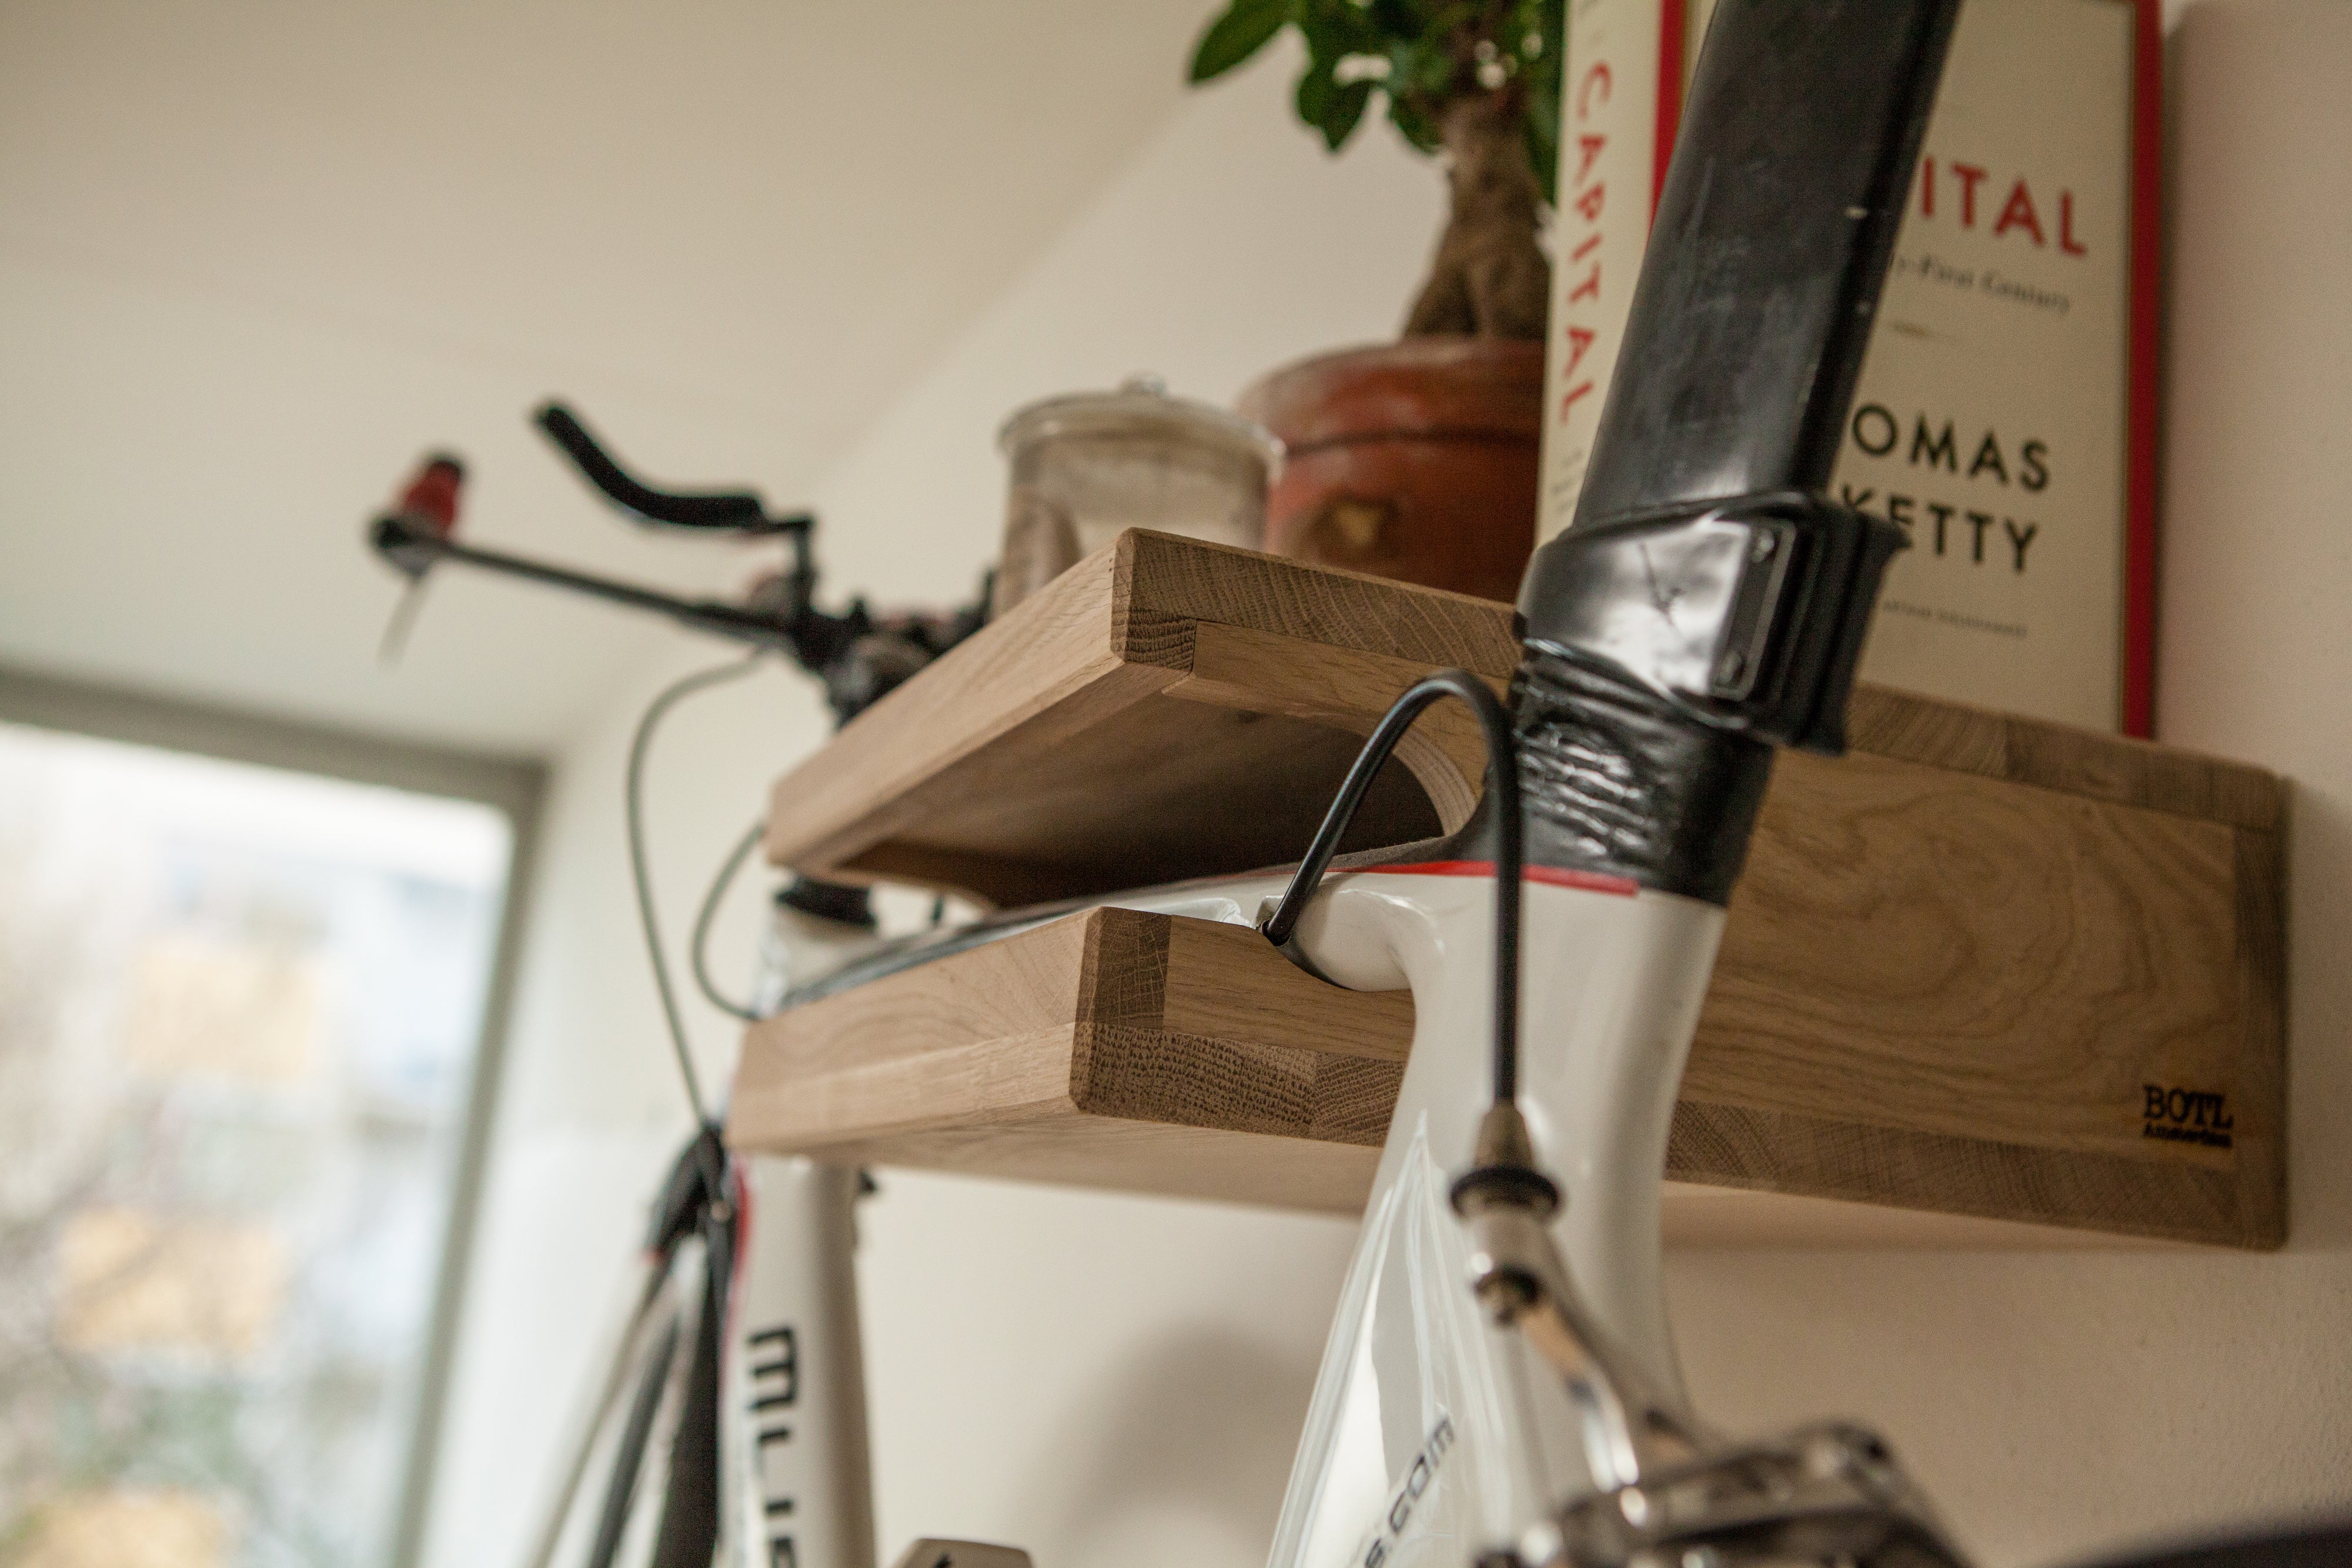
(1959, 957)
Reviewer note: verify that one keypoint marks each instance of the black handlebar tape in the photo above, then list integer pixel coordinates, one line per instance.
(1707, 604)
(1779, 212)
(734, 510)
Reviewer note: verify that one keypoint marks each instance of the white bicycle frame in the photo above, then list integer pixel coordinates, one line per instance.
(1426, 1423)
(1414, 1375)
(794, 1387)
(795, 1482)
(1501, 1376)
(1429, 1424)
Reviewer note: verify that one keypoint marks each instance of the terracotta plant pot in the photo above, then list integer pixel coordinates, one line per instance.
(1413, 460)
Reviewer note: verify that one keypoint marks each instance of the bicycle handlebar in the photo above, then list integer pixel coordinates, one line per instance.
(731, 511)
(413, 547)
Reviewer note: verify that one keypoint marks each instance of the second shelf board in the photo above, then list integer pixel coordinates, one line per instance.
(1153, 1053)
(1964, 963)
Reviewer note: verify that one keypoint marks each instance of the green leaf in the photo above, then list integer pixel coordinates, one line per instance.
(1336, 31)
(1551, 25)
(1325, 44)
(1540, 80)
(1539, 90)
(1543, 151)
(1404, 59)
(1416, 128)
(1343, 111)
(1314, 92)
(1425, 67)
(1237, 35)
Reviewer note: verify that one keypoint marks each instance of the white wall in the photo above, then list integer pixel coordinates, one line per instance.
(1099, 1378)
(254, 257)
(1105, 1378)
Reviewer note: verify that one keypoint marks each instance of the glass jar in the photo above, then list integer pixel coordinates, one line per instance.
(1089, 465)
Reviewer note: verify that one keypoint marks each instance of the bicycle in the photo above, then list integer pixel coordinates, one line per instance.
(1500, 1383)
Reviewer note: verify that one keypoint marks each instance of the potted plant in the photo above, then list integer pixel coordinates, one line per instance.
(1418, 459)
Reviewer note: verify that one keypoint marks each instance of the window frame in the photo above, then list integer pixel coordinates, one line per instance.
(514, 786)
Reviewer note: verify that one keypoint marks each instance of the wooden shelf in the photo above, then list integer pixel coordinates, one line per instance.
(1959, 958)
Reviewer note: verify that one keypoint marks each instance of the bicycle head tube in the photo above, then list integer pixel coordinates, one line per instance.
(1708, 602)
(1707, 605)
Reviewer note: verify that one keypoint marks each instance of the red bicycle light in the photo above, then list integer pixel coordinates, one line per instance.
(431, 496)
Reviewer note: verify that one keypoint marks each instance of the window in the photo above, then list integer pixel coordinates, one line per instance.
(239, 1014)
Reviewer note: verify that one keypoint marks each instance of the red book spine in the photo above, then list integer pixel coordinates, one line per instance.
(2147, 285)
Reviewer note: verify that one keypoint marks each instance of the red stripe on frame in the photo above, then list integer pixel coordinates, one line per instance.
(1674, 21)
(2140, 419)
(1589, 881)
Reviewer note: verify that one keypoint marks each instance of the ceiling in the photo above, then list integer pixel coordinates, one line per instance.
(254, 257)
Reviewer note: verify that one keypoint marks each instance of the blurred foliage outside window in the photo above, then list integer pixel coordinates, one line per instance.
(238, 1010)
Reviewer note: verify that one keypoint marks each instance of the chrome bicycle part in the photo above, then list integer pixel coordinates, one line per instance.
(1672, 1494)
(1823, 1494)
(1630, 1429)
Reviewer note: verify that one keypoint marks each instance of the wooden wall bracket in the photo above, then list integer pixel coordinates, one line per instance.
(1983, 967)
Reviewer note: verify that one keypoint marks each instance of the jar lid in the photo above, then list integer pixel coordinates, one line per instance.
(1142, 407)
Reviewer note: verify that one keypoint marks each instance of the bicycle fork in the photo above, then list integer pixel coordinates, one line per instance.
(1431, 1421)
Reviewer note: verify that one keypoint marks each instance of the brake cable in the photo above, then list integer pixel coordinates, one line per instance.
(1502, 808)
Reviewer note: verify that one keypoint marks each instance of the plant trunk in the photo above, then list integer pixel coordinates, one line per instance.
(1490, 277)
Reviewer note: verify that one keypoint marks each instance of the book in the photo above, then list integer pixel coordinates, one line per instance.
(2005, 417)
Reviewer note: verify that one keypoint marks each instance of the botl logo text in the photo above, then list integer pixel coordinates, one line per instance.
(2186, 1116)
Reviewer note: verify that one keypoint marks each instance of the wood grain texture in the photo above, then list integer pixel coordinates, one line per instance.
(984, 774)
(1903, 933)
(2114, 768)
(1109, 1048)
(1186, 579)
(1959, 961)
(1255, 672)
(1150, 1053)
(1049, 671)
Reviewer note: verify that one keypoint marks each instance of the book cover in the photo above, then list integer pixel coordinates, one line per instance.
(2005, 416)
